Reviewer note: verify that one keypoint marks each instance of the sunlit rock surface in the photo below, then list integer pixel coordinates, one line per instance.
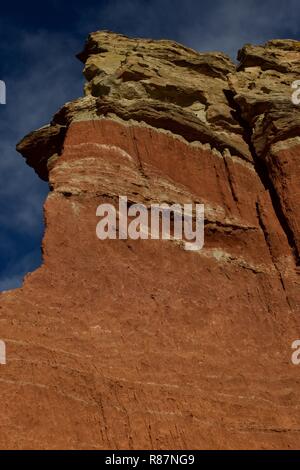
(140, 344)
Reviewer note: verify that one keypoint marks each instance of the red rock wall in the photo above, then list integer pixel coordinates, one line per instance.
(140, 344)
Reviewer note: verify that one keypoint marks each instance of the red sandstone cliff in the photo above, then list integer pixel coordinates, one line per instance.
(141, 344)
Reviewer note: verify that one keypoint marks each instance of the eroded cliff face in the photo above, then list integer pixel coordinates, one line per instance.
(141, 344)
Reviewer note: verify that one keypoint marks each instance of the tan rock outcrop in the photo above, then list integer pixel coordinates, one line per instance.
(262, 90)
(139, 343)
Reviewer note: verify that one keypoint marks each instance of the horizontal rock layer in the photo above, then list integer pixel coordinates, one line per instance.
(141, 344)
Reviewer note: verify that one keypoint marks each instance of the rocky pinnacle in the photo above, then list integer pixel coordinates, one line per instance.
(139, 344)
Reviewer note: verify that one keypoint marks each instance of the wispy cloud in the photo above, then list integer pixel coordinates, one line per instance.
(15, 272)
(50, 76)
(202, 24)
(227, 26)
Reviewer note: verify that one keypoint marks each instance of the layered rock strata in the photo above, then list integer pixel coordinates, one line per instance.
(140, 344)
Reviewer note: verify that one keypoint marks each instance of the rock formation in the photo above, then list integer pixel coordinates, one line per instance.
(139, 344)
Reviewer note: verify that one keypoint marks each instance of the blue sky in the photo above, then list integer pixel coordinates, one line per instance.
(38, 43)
